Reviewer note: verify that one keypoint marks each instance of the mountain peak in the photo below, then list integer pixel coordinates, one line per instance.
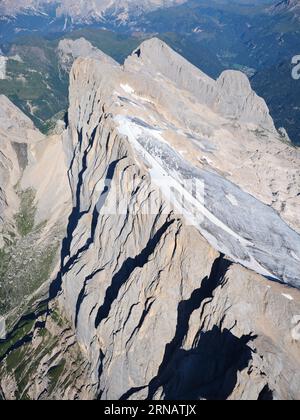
(69, 50)
(230, 95)
(149, 45)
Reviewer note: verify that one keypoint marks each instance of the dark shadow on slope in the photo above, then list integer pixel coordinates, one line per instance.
(125, 272)
(66, 119)
(96, 212)
(82, 294)
(266, 394)
(209, 370)
(148, 306)
(100, 370)
(138, 52)
(184, 312)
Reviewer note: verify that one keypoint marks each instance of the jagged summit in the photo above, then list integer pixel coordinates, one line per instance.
(236, 99)
(69, 50)
(231, 95)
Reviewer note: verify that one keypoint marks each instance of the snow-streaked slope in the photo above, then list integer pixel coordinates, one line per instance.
(182, 124)
(248, 231)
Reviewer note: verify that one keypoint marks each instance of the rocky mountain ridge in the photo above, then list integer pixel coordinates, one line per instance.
(178, 241)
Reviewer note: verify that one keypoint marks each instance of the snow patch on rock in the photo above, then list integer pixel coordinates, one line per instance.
(287, 296)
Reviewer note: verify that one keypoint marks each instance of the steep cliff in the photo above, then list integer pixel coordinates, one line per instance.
(179, 269)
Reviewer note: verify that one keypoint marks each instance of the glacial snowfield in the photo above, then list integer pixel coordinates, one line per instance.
(198, 132)
(234, 222)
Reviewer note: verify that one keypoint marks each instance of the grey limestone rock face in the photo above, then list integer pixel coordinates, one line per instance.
(231, 95)
(69, 50)
(237, 100)
(171, 292)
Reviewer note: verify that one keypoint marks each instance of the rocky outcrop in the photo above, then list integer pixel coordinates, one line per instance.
(236, 100)
(172, 270)
(69, 50)
(231, 96)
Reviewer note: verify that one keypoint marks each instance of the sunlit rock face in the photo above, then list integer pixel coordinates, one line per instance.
(178, 274)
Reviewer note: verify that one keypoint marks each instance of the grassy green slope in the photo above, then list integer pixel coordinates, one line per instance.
(34, 81)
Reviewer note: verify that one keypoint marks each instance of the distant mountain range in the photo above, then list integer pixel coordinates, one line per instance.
(84, 11)
(122, 10)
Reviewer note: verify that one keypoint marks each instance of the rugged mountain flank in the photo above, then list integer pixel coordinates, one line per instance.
(182, 231)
